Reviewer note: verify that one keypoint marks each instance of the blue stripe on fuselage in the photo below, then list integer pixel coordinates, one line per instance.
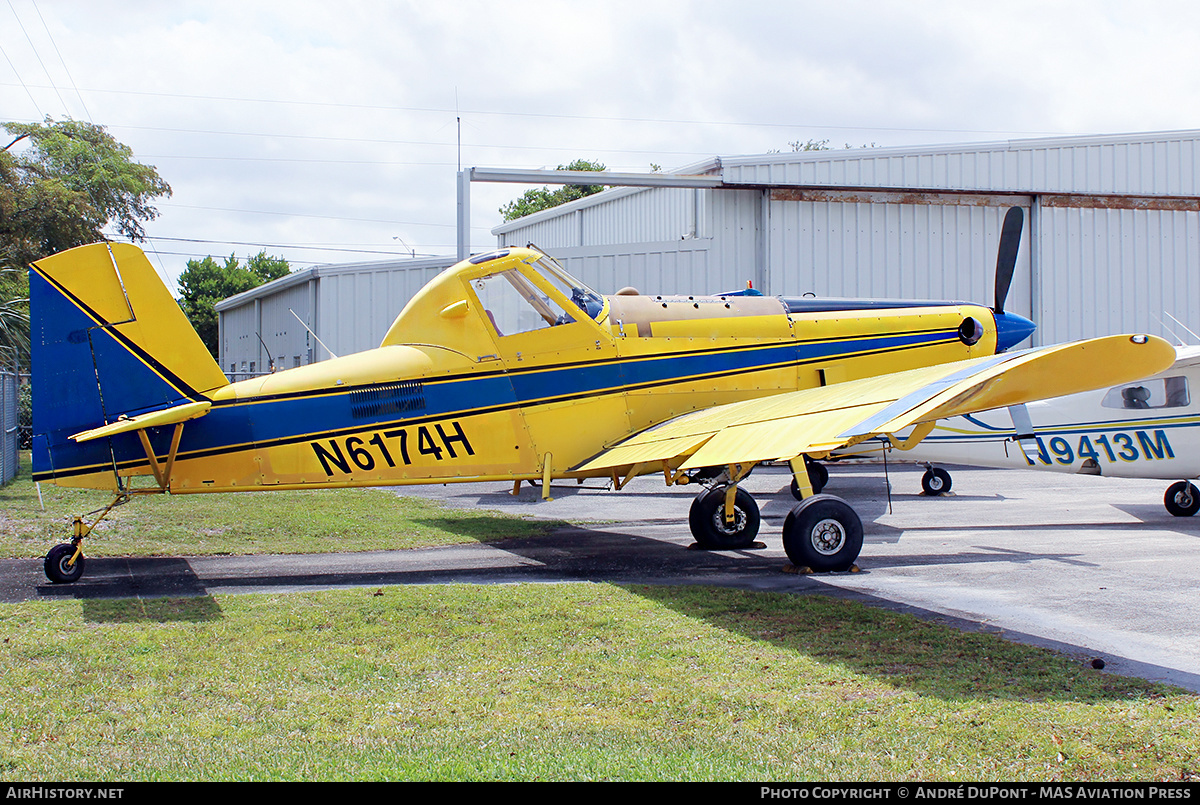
(247, 423)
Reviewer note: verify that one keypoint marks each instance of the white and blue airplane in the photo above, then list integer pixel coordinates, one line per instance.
(1145, 429)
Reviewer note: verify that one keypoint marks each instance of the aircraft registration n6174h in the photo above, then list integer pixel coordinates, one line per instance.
(504, 367)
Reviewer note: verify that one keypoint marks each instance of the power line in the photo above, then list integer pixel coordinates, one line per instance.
(545, 115)
(312, 215)
(308, 247)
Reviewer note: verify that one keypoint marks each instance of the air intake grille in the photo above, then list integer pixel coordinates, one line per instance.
(391, 398)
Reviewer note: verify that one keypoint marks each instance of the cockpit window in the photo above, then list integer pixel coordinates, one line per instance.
(1166, 392)
(515, 305)
(584, 297)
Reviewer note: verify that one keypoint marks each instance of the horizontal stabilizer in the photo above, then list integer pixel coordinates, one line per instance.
(168, 416)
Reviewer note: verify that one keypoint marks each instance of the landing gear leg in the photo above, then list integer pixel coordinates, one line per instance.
(715, 531)
(818, 476)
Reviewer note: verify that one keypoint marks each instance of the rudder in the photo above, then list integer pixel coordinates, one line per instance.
(107, 341)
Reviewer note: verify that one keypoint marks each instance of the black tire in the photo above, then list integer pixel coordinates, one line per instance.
(707, 520)
(818, 476)
(936, 481)
(1182, 499)
(57, 569)
(823, 533)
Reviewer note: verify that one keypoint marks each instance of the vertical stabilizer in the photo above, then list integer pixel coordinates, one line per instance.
(108, 341)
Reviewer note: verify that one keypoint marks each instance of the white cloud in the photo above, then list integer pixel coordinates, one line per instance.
(334, 123)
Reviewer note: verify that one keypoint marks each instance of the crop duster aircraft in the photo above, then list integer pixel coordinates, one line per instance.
(506, 367)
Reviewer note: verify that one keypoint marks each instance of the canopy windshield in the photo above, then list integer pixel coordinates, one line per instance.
(584, 297)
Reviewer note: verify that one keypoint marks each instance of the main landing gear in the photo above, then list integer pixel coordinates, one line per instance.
(822, 532)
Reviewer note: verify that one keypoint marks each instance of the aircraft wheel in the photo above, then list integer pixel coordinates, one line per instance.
(1182, 499)
(707, 520)
(57, 569)
(818, 476)
(935, 481)
(823, 533)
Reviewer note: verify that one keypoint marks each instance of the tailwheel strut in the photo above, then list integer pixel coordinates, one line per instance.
(64, 562)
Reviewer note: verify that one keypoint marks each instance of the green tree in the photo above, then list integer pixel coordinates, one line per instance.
(205, 282)
(62, 182)
(810, 145)
(14, 318)
(544, 198)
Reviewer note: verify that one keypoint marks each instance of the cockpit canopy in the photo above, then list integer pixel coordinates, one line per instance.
(494, 295)
(516, 304)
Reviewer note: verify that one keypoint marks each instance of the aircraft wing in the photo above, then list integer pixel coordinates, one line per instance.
(818, 420)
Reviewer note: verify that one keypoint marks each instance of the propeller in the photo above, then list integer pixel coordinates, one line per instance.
(1006, 257)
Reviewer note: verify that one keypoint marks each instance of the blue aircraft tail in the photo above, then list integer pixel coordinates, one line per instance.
(108, 342)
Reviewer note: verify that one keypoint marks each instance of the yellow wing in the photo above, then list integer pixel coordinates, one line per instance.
(818, 420)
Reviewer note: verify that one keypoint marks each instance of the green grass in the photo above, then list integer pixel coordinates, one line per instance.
(523, 682)
(310, 521)
(558, 682)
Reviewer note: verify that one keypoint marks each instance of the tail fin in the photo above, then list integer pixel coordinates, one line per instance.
(108, 341)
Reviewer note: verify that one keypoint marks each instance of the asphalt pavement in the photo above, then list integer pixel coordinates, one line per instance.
(1094, 567)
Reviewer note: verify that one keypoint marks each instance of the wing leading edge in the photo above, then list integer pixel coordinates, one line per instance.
(818, 420)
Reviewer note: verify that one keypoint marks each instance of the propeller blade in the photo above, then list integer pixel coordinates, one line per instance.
(1006, 257)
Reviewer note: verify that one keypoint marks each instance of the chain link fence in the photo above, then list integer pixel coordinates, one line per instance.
(10, 419)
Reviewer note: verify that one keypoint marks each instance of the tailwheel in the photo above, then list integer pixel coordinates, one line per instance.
(62, 565)
(1182, 499)
(936, 481)
(710, 527)
(823, 533)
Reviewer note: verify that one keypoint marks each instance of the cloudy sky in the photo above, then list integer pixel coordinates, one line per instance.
(329, 131)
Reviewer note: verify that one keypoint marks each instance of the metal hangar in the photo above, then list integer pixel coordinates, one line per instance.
(1112, 241)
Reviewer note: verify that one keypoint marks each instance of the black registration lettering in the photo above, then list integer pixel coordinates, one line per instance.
(365, 454)
(458, 437)
(336, 457)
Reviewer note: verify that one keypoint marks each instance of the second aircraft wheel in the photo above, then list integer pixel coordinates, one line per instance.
(935, 481)
(707, 520)
(1182, 499)
(823, 533)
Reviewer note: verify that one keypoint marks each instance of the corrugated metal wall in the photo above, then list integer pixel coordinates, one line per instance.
(356, 308)
(658, 240)
(9, 426)
(282, 332)
(348, 307)
(908, 231)
(1113, 271)
(1160, 163)
(1081, 272)
(894, 251)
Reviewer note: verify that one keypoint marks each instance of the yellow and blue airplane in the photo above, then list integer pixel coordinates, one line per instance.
(504, 367)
